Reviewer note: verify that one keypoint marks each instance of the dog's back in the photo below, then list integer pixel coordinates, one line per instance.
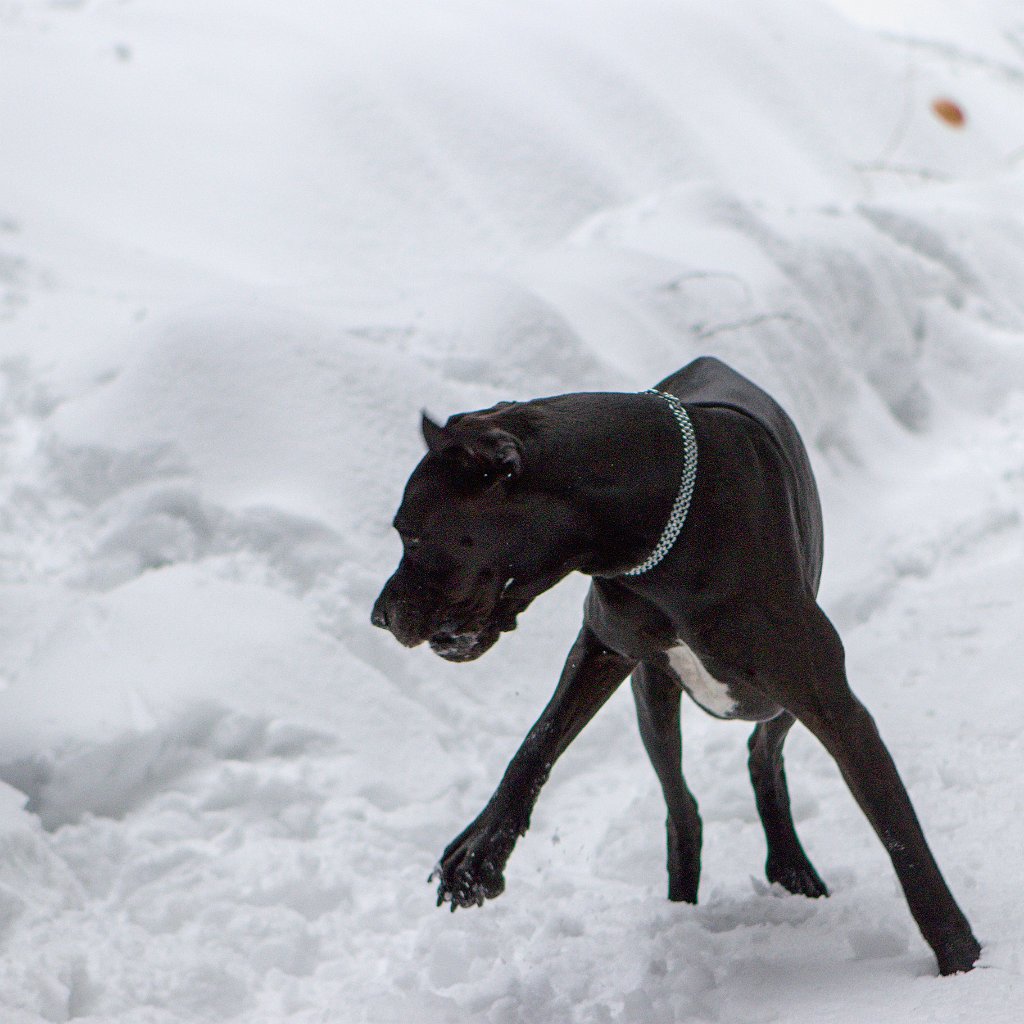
(709, 382)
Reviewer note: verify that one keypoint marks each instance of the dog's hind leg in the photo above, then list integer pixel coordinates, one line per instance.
(787, 863)
(826, 705)
(658, 697)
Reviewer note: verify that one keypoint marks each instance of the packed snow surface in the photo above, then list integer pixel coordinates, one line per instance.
(242, 244)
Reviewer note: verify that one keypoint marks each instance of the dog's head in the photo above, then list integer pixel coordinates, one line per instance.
(474, 535)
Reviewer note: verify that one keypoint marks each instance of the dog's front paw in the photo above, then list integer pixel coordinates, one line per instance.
(470, 869)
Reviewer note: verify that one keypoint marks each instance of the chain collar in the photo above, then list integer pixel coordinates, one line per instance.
(681, 506)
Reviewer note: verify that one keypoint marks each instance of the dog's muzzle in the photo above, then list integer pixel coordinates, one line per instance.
(415, 611)
(463, 646)
(407, 625)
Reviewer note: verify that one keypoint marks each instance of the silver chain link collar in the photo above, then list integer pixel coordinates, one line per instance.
(681, 506)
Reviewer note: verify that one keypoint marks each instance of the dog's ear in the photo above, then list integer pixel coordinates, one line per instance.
(490, 455)
(433, 433)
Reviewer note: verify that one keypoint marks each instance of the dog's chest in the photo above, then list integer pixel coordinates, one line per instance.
(712, 695)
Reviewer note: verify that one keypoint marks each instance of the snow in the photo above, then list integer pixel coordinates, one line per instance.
(241, 246)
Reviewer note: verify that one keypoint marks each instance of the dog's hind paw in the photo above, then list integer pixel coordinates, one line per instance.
(798, 877)
(957, 954)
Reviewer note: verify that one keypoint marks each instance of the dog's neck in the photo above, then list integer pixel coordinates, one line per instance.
(615, 462)
(687, 482)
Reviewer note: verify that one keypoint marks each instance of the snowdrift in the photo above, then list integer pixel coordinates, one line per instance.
(241, 246)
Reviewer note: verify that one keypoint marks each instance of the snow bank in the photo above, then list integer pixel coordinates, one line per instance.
(241, 246)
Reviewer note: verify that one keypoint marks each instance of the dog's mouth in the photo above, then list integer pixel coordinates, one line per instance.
(464, 646)
(468, 641)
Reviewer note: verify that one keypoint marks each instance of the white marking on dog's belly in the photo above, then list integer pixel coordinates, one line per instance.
(700, 684)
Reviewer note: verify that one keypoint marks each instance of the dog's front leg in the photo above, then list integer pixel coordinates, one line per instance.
(471, 868)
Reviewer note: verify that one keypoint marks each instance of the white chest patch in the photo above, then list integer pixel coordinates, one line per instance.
(700, 684)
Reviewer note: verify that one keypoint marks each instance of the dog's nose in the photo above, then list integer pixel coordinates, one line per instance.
(405, 621)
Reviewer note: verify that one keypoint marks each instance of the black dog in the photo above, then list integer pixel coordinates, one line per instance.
(509, 500)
